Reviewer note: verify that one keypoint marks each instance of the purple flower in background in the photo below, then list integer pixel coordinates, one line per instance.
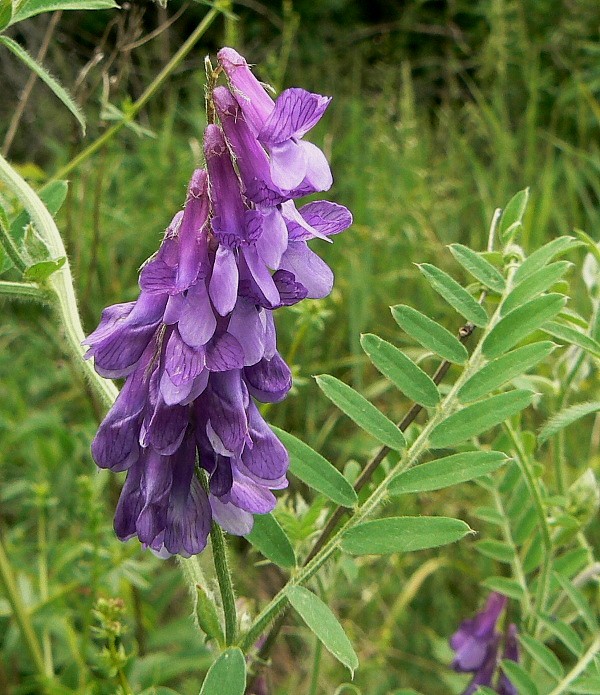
(477, 643)
(471, 640)
(199, 343)
(511, 652)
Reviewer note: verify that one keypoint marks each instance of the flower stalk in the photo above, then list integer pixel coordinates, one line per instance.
(221, 563)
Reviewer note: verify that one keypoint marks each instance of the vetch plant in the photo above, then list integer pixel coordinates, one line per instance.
(197, 352)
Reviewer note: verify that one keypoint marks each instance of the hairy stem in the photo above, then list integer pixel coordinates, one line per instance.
(579, 668)
(148, 93)
(225, 584)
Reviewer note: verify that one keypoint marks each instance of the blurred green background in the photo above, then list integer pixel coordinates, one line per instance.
(441, 111)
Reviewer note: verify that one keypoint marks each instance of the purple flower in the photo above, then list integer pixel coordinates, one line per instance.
(280, 125)
(511, 651)
(485, 672)
(473, 637)
(199, 343)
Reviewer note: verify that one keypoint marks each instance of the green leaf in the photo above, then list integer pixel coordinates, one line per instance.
(6, 10)
(572, 336)
(565, 633)
(316, 471)
(46, 77)
(29, 8)
(534, 285)
(401, 370)
(364, 413)
(52, 195)
(479, 417)
(226, 675)
(586, 685)
(546, 658)
(489, 514)
(519, 678)
(447, 471)
(579, 601)
(269, 538)
(430, 334)
(503, 585)
(496, 550)
(567, 417)
(501, 370)
(38, 272)
(324, 624)
(521, 322)
(454, 294)
(402, 534)
(479, 268)
(539, 258)
(207, 617)
(512, 215)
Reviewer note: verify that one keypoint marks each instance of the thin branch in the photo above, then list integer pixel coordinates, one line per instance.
(26, 93)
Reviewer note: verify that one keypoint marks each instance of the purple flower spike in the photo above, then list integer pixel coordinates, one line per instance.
(199, 343)
(471, 640)
(511, 651)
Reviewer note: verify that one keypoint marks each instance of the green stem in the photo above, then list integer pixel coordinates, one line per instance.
(579, 668)
(516, 564)
(20, 612)
(225, 584)
(23, 290)
(60, 282)
(43, 583)
(314, 678)
(536, 495)
(148, 93)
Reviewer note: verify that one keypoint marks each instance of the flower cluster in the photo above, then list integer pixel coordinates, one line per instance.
(199, 344)
(477, 647)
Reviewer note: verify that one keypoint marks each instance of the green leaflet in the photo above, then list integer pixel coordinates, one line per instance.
(430, 334)
(567, 417)
(316, 471)
(402, 534)
(319, 618)
(503, 585)
(579, 601)
(401, 370)
(450, 470)
(565, 633)
(207, 617)
(512, 216)
(364, 413)
(226, 675)
(544, 255)
(478, 266)
(521, 322)
(519, 677)
(269, 538)
(46, 77)
(454, 294)
(479, 417)
(546, 658)
(29, 8)
(496, 550)
(535, 284)
(571, 335)
(501, 370)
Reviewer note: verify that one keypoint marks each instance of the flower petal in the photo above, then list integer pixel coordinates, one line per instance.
(231, 518)
(224, 353)
(269, 380)
(197, 321)
(267, 458)
(245, 325)
(274, 238)
(223, 285)
(324, 217)
(308, 269)
(296, 112)
(288, 164)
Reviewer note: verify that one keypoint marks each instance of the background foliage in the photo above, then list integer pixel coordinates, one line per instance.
(441, 111)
